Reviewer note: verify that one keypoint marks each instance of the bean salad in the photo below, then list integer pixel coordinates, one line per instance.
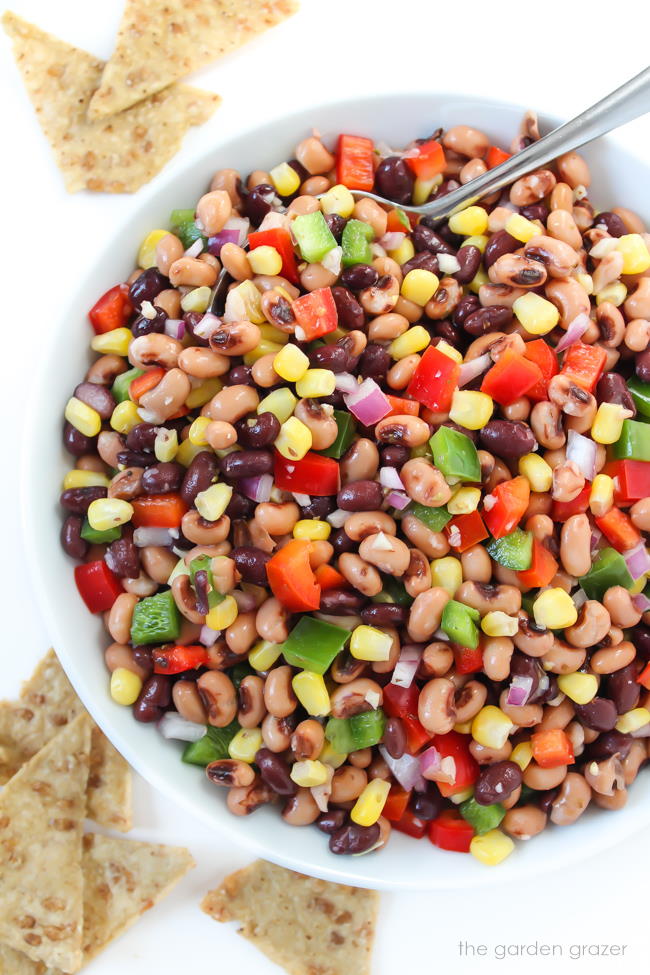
(369, 533)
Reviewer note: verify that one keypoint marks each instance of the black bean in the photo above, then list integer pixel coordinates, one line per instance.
(318, 507)
(607, 744)
(192, 319)
(599, 714)
(258, 203)
(247, 463)
(163, 478)
(135, 458)
(469, 258)
(146, 326)
(642, 365)
(499, 244)
(384, 614)
(425, 238)
(454, 240)
(359, 276)
(78, 500)
(251, 564)
(496, 782)
(535, 211)
(142, 437)
(522, 665)
(77, 443)
(394, 738)
(122, 556)
(424, 261)
(332, 357)
(375, 362)
(611, 388)
(142, 659)
(427, 805)
(394, 455)
(394, 179)
(71, 540)
(259, 432)
(240, 506)
(465, 307)
(99, 398)
(336, 224)
(238, 376)
(640, 637)
(341, 602)
(155, 696)
(622, 688)
(450, 333)
(147, 286)
(341, 542)
(350, 313)
(354, 839)
(332, 820)
(199, 476)
(360, 496)
(510, 439)
(445, 187)
(486, 320)
(612, 222)
(275, 773)
(546, 799)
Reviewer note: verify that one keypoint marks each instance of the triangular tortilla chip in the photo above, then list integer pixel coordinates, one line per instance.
(15, 963)
(114, 156)
(47, 703)
(303, 924)
(160, 43)
(42, 809)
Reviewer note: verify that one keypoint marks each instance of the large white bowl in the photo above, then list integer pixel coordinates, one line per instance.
(618, 178)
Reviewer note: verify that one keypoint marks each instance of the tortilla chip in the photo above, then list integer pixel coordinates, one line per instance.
(160, 43)
(47, 703)
(42, 810)
(305, 925)
(13, 962)
(116, 156)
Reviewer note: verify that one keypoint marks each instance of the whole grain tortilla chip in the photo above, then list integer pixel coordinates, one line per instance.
(305, 925)
(158, 43)
(42, 809)
(47, 703)
(14, 962)
(114, 156)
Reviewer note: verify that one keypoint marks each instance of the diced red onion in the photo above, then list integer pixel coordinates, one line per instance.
(397, 499)
(245, 600)
(470, 370)
(321, 793)
(338, 518)
(389, 478)
(448, 263)
(208, 637)
(273, 220)
(208, 325)
(302, 499)
(582, 451)
(407, 665)
(596, 536)
(142, 537)
(579, 598)
(332, 260)
(406, 770)
(641, 602)
(345, 382)
(175, 327)
(173, 725)
(519, 691)
(637, 561)
(223, 237)
(195, 248)
(241, 224)
(257, 488)
(368, 403)
(642, 732)
(576, 330)
(392, 240)
(430, 760)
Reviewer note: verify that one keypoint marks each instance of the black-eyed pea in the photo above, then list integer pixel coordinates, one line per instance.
(573, 170)
(559, 716)
(301, 809)
(348, 782)
(409, 431)
(279, 697)
(120, 655)
(466, 141)
(165, 399)
(319, 419)
(158, 562)
(252, 709)
(188, 703)
(243, 800)
(542, 779)
(168, 249)
(213, 210)
(363, 523)
(120, 617)
(524, 822)
(385, 328)
(639, 513)
(497, 654)
(437, 659)
(385, 552)
(529, 189)
(435, 545)
(633, 761)
(572, 800)
(417, 577)
(381, 297)
(424, 483)
(271, 621)
(563, 659)
(276, 733)
(219, 697)
(192, 272)
(355, 697)
(591, 627)
(401, 372)
(488, 598)
(469, 700)
(426, 613)
(307, 740)
(360, 462)
(230, 181)
(370, 212)
(490, 756)
(524, 715)
(575, 545)
(618, 603)
(531, 639)
(360, 574)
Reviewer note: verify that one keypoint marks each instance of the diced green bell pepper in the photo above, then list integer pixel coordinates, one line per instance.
(393, 591)
(608, 569)
(313, 644)
(212, 747)
(640, 393)
(202, 563)
(482, 818)
(239, 671)
(99, 537)
(433, 518)
(355, 242)
(120, 387)
(455, 455)
(364, 730)
(459, 623)
(633, 443)
(155, 620)
(514, 551)
(344, 438)
(314, 237)
(184, 226)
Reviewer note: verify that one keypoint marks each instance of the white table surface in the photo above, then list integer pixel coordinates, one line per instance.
(47, 238)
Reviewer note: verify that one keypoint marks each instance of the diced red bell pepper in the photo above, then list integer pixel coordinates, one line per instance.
(511, 377)
(543, 567)
(435, 380)
(456, 746)
(316, 313)
(112, 310)
(563, 510)
(411, 824)
(313, 474)
(644, 677)
(398, 222)
(584, 365)
(618, 529)
(552, 748)
(354, 162)
(400, 702)
(396, 803)
(429, 162)
(98, 586)
(159, 510)
(451, 832)
(328, 577)
(468, 660)
(291, 577)
(541, 353)
(463, 531)
(400, 406)
(146, 382)
(416, 734)
(631, 480)
(496, 156)
(280, 238)
(175, 660)
(502, 515)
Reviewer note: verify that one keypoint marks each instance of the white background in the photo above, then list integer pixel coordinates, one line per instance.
(555, 56)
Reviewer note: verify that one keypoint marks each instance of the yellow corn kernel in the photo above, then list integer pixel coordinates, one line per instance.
(246, 303)
(463, 727)
(125, 416)
(330, 757)
(285, 179)
(264, 348)
(534, 313)
(338, 199)
(316, 382)
(497, 623)
(245, 745)
(586, 281)
(404, 252)
(415, 339)
(608, 423)
(147, 252)
(264, 655)
(187, 451)
(464, 501)
(197, 431)
(223, 614)
(105, 513)
(447, 573)
(198, 299)
(473, 220)
(419, 286)
(554, 609)
(291, 363)
(294, 439)
(83, 418)
(212, 502)
(601, 496)
(311, 691)
(477, 240)
(369, 806)
(312, 529)
(115, 342)
(464, 794)
(522, 754)
(636, 257)
(203, 393)
(521, 229)
(479, 279)
(449, 350)
(632, 720)
(615, 292)
(80, 479)
(165, 445)
(281, 403)
(491, 848)
(471, 409)
(309, 773)
(265, 260)
(369, 643)
(423, 188)
(580, 688)
(125, 686)
(638, 586)
(537, 472)
(491, 727)
(273, 334)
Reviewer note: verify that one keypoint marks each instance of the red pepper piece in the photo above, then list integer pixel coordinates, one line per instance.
(563, 510)
(451, 832)
(435, 380)
(402, 702)
(146, 382)
(411, 824)
(511, 377)
(160, 510)
(503, 515)
(584, 365)
(328, 577)
(416, 734)
(280, 238)
(398, 222)
(312, 474)
(97, 585)
(429, 162)
(468, 661)
(354, 162)
(618, 529)
(112, 310)
(463, 531)
(175, 660)
(543, 567)
(644, 677)
(552, 748)
(541, 353)
(396, 803)
(496, 156)
(631, 480)
(316, 313)
(456, 746)
(291, 577)
(400, 406)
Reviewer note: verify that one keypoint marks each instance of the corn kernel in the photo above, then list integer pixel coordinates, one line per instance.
(285, 179)
(447, 573)
(291, 363)
(105, 513)
(423, 188)
(81, 479)
(601, 496)
(147, 252)
(115, 342)
(369, 643)
(294, 439)
(534, 313)
(449, 350)
(198, 299)
(480, 241)
(580, 688)
(464, 794)
(165, 445)
(311, 691)
(491, 727)
(281, 403)
(263, 348)
(497, 623)
(203, 393)
(369, 806)
(265, 260)
(197, 430)
(125, 686)
(608, 423)
(521, 229)
(419, 286)
(212, 502)
(479, 279)
(404, 252)
(522, 754)
(616, 293)
(471, 409)
(537, 472)
(245, 303)
(83, 418)
(415, 339)
(473, 220)
(554, 609)
(187, 451)
(463, 727)
(223, 614)
(316, 382)
(638, 586)
(309, 773)
(330, 757)
(492, 847)
(245, 745)
(636, 257)
(273, 334)
(632, 720)
(264, 655)
(464, 501)
(312, 529)
(338, 199)
(586, 281)
(125, 416)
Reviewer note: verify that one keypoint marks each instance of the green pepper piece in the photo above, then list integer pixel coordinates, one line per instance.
(458, 623)
(122, 384)
(433, 518)
(514, 551)
(364, 730)
(99, 537)
(403, 219)
(202, 563)
(212, 747)
(355, 242)
(393, 591)
(155, 620)
(344, 437)
(455, 455)
(482, 818)
(633, 443)
(313, 644)
(608, 569)
(314, 237)
(640, 393)
(184, 226)
(239, 671)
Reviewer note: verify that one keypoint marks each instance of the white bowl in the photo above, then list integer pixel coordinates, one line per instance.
(79, 638)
